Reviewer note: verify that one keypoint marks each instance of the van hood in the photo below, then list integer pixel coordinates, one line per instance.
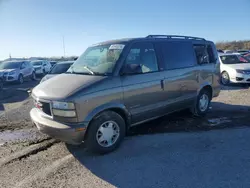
(48, 76)
(241, 66)
(64, 85)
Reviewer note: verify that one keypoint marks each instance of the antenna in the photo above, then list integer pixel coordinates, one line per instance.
(63, 47)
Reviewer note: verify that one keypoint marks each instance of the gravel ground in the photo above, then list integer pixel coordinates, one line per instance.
(174, 151)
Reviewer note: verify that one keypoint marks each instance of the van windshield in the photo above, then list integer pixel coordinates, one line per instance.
(98, 60)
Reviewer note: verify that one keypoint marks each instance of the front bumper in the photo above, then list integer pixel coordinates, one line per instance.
(240, 78)
(39, 71)
(10, 78)
(72, 134)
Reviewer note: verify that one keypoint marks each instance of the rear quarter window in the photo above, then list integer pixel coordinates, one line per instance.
(177, 54)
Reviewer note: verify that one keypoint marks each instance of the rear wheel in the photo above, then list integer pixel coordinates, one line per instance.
(1, 84)
(105, 133)
(225, 79)
(20, 79)
(202, 103)
(33, 76)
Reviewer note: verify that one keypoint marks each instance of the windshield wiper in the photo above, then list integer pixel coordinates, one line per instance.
(87, 68)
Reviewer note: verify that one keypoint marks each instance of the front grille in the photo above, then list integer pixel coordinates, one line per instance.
(43, 106)
(248, 80)
(46, 108)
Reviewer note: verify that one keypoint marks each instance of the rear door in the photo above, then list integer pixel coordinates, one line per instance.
(143, 93)
(29, 68)
(180, 75)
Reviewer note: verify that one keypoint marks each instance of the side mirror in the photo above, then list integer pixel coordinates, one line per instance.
(130, 69)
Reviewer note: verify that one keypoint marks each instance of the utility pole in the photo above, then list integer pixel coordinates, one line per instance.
(63, 47)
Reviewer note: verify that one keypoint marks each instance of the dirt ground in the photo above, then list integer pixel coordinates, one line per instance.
(177, 150)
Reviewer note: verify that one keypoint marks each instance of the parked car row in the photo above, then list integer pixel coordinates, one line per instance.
(20, 70)
(118, 84)
(239, 52)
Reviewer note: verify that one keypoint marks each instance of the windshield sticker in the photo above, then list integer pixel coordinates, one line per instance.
(116, 47)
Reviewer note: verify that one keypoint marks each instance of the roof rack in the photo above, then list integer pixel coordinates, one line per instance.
(174, 37)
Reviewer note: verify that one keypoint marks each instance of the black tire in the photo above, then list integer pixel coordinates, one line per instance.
(91, 137)
(1, 84)
(20, 79)
(33, 76)
(196, 109)
(225, 79)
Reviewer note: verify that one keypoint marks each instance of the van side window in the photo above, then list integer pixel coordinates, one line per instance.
(212, 58)
(178, 54)
(143, 53)
(204, 54)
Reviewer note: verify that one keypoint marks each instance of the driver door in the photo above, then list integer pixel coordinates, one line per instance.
(143, 92)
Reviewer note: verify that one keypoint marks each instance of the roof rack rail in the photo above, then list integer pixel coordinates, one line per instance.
(174, 37)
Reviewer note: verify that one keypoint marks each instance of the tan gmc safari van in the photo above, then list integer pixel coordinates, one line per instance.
(118, 84)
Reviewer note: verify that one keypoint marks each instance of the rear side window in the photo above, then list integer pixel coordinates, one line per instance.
(178, 54)
(204, 54)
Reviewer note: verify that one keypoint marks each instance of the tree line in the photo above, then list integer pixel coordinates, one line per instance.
(233, 45)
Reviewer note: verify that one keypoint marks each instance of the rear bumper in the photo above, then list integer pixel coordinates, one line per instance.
(72, 134)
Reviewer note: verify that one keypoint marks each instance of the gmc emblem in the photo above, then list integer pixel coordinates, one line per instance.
(38, 104)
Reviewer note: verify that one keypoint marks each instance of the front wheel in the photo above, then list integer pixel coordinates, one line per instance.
(202, 103)
(20, 79)
(105, 133)
(33, 76)
(1, 84)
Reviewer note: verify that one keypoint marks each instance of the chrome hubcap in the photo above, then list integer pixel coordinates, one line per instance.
(108, 133)
(203, 103)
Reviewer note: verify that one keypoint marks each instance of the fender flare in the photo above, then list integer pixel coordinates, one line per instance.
(109, 106)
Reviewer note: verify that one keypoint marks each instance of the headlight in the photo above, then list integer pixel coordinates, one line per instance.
(12, 73)
(240, 71)
(63, 105)
(64, 113)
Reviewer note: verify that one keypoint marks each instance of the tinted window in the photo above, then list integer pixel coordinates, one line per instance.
(60, 68)
(211, 55)
(201, 53)
(10, 65)
(178, 54)
(229, 59)
(143, 54)
(36, 63)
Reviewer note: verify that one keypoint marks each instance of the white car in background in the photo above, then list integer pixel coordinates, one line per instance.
(16, 71)
(234, 69)
(41, 66)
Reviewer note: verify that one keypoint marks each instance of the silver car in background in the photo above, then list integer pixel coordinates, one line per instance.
(41, 66)
(58, 68)
(16, 71)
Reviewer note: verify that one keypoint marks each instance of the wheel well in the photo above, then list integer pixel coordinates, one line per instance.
(119, 111)
(209, 89)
